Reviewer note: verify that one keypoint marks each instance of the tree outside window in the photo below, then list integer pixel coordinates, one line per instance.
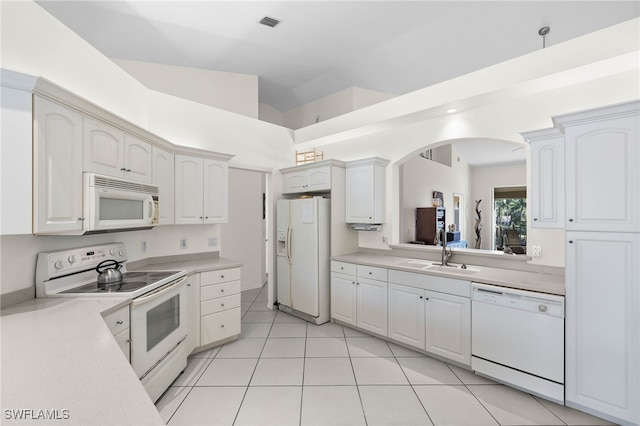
(510, 209)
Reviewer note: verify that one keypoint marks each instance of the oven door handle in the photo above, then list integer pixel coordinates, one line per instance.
(158, 292)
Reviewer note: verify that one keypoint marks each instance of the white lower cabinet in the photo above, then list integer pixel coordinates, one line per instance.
(436, 322)
(118, 323)
(358, 300)
(219, 305)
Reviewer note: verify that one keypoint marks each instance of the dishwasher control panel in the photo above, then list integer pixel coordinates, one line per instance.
(529, 301)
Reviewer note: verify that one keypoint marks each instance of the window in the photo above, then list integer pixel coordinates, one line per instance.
(510, 212)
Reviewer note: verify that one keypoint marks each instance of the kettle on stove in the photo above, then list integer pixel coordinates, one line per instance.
(109, 272)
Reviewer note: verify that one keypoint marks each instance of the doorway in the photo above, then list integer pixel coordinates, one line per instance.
(510, 217)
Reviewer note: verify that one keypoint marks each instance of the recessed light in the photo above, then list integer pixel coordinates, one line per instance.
(269, 22)
(451, 110)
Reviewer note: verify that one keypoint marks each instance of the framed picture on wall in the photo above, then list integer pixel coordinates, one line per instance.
(437, 195)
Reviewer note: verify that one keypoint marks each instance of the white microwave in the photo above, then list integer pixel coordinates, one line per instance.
(112, 204)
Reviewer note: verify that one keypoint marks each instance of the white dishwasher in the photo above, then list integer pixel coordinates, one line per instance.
(518, 338)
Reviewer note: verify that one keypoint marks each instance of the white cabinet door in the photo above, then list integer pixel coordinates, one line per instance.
(103, 148)
(365, 191)
(216, 177)
(307, 180)
(603, 177)
(407, 315)
(371, 312)
(603, 323)
(293, 182)
(188, 190)
(343, 298)
(137, 159)
(163, 176)
(193, 312)
(319, 179)
(57, 161)
(547, 182)
(448, 326)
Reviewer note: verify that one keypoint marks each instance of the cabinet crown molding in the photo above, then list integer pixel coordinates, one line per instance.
(377, 161)
(596, 114)
(542, 134)
(329, 162)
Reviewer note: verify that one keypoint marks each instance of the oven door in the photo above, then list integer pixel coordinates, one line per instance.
(158, 325)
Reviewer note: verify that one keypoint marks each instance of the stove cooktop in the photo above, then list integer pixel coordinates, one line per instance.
(131, 281)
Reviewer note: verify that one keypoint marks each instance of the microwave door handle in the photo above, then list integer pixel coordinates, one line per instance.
(158, 292)
(152, 209)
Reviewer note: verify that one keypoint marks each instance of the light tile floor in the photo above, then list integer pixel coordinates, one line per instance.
(284, 371)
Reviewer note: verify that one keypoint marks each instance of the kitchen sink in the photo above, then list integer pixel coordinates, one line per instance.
(452, 267)
(416, 263)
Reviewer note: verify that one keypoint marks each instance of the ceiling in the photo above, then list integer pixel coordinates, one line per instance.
(322, 47)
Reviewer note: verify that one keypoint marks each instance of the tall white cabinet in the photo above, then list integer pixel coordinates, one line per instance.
(602, 154)
(366, 190)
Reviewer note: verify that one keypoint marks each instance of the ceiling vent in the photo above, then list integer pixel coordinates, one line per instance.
(269, 22)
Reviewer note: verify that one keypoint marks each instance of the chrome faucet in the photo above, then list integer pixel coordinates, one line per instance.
(442, 235)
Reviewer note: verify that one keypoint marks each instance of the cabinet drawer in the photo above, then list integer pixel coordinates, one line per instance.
(124, 342)
(219, 304)
(343, 268)
(219, 276)
(372, 272)
(118, 321)
(219, 326)
(219, 290)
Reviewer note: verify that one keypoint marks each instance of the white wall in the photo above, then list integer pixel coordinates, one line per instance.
(269, 114)
(331, 106)
(420, 177)
(18, 253)
(228, 91)
(482, 182)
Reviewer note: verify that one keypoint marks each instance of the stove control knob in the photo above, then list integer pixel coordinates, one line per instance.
(72, 259)
(58, 264)
(112, 252)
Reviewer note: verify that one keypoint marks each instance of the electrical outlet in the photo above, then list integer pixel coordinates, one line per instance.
(385, 240)
(213, 241)
(143, 247)
(537, 251)
(183, 243)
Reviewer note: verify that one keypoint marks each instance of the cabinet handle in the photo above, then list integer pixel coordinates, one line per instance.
(222, 304)
(353, 282)
(570, 220)
(188, 284)
(221, 325)
(119, 322)
(535, 219)
(221, 276)
(357, 283)
(81, 218)
(421, 297)
(123, 169)
(370, 273)
(128, 341)
(426, 298)
(222, 291)
(570, 241)
(200, 217)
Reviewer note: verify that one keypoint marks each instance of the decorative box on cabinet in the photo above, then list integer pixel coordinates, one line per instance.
(312, 177)
(219, 305)
(118, 323)
(366, 190)
(201, 190)
(602, 153)
(109, 151)
(546, 193)
(57, 169)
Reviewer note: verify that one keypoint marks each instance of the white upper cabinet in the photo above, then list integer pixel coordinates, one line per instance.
(307, 179)
(163, 178)
(602, 153)
(365, 190)
(57, 169)
(201, 190)
(108, 151)
(546, 196)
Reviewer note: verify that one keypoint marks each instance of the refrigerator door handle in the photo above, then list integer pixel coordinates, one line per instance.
(289, 230)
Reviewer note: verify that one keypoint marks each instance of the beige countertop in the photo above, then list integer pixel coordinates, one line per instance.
(533, 281)
(59, 358)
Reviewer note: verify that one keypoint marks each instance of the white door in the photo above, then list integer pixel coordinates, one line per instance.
(406, 315)
(137, 159)
(215, 191)
(343, 298)
(547, 183)
(372, 305)
(283, 262)
(188, 190)
(603, 323)
(603, 177)
(243, 234)
(57, 160)
(103, 148)
(303, 240)
(163, 177)
(448, 326)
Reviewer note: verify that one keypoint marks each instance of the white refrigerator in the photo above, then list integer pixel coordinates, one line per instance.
(303, 247)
